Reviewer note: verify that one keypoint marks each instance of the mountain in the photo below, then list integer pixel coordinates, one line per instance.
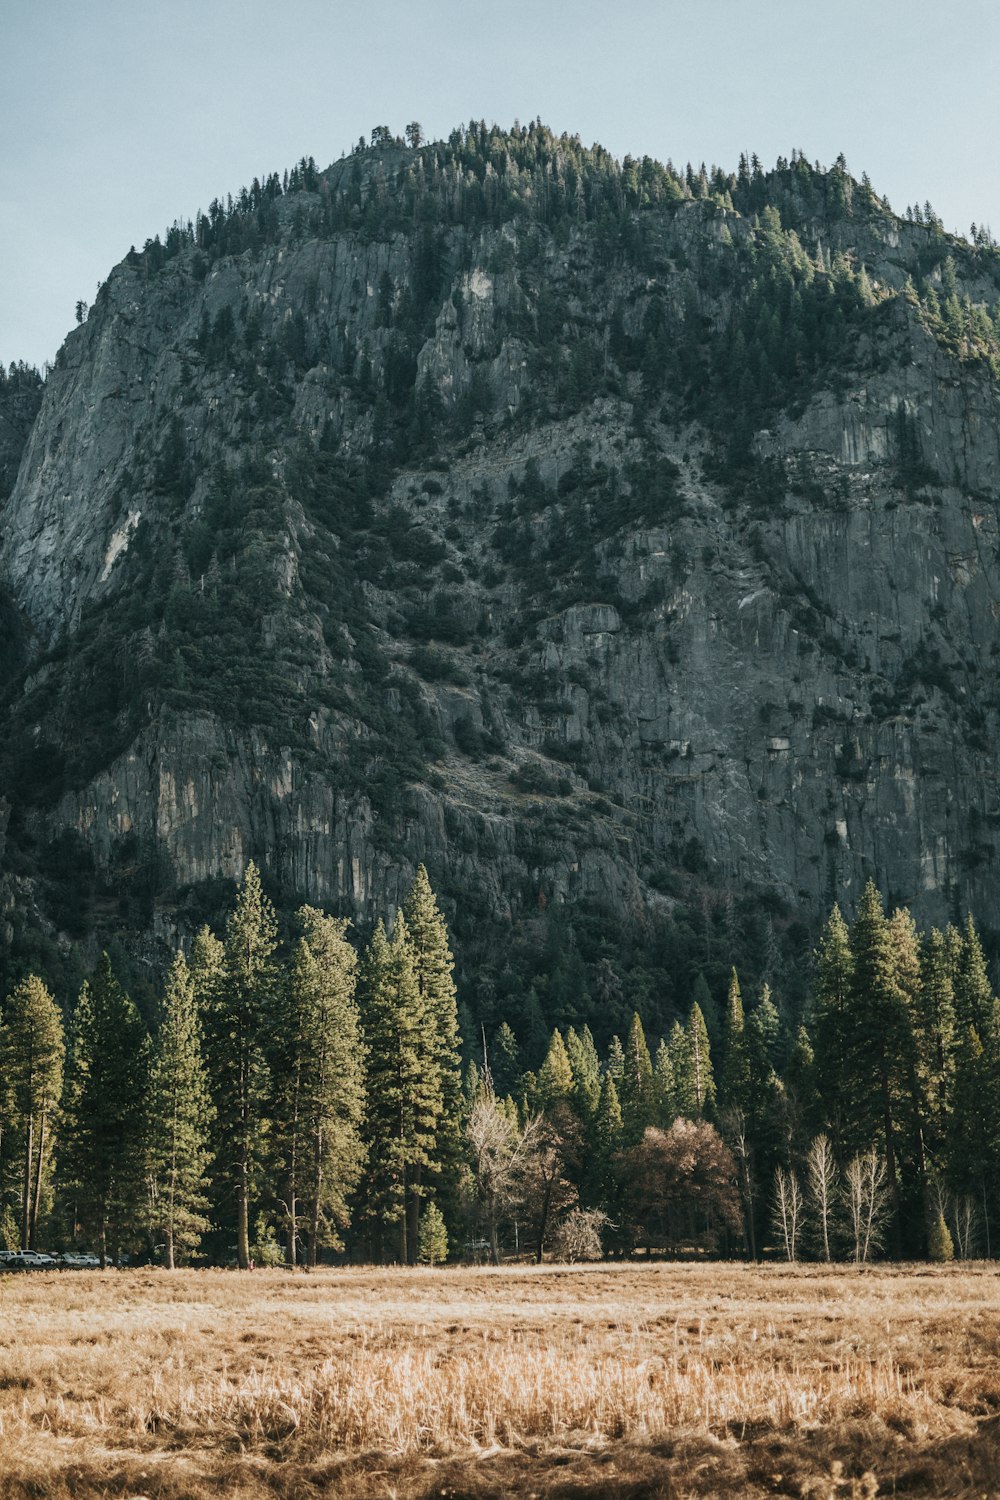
(619, 541)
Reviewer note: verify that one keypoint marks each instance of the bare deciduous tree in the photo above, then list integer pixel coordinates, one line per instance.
(498, 1149)
(788, 1209)
(734, 1130)
(866, 1202)
(964, 1216)
(579, 1235)
(822, 1180)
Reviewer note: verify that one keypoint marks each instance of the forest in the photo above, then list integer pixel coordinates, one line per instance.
(296, 1100)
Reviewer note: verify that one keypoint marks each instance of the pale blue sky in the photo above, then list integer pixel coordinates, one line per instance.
(118, 116)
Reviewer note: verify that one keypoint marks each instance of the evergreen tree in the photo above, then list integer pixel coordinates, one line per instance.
(505, 1061)
(404, 1097)
(972, 990)
(940, 1246)
(585, 1066)
(555, 1076)
(434, 966)
(32, 1052)
(238, 1020)
(702, 996)
(178, 1121)
(734, 1075)
(936, 1034)
(606, 1138)
(880, 1051)
(104, 1159)
(803, 1100)
(664, 1087)
(695, 1081)
(834, 1023)
(433, 1246)
(974, 1132)
(615, 1064)
(636, 1091)
(318, 1089)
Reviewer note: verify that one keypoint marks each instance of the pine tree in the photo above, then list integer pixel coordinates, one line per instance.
(585, 1066)
(800, 1088)
(702, 996)
(434, 966)
(940, 1246)
(555, 1076)
(318, 1080)
(178, 1120)
(664, 1087)
(104, 1159)
(972, 989)
(505, 1061)
(240, 1001)
(880, 1058)
(404, 1098)
(636, 1091)
(936, 1034)
(615, 1064)
(734, 1075)
(834, 1022)
(606, 1141)
(695, 1081)
(433, 1246)
(32, 1052)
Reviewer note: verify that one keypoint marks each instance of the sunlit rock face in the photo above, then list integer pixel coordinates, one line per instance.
(369, 541)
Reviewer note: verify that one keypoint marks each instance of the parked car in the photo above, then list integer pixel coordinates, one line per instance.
(31, 1260)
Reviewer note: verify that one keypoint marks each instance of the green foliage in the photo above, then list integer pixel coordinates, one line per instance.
(238, 1018)
(939, 1244)
(32, 1054)
(103, 1155)
(317, 1094)
(433, 1246)
(178, 1119)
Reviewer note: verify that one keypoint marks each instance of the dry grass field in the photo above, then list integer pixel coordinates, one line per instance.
(674, 1381)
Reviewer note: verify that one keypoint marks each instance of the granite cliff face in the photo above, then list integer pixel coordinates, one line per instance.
(606, 558)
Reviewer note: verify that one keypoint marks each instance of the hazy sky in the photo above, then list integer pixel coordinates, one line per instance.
(119, 116)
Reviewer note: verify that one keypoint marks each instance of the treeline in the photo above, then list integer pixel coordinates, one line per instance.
(287, 1106)
(289, 1097)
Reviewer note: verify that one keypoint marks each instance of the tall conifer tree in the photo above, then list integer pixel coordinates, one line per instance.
(433, 966)
(178, 1121)
(636, 1091)
(318, 1084)
(32, 1051)
(695, 1080)
(404, 1096)
(104, 1159)
(238, 1022)
(834, 1026)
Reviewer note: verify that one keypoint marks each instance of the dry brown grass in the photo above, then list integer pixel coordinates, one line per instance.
(674, 1381)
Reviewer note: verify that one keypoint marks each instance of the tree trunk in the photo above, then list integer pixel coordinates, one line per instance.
(29, 1157)
(890, 1166)
(413, 1215)
(170, 1246)
(36, 1206)
(243, 1219)
(494, 1241)
(316, 1196)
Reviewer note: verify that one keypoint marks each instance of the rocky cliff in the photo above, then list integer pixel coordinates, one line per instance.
(617, 541)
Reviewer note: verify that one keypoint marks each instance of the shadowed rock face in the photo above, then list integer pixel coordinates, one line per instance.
(335, 560)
